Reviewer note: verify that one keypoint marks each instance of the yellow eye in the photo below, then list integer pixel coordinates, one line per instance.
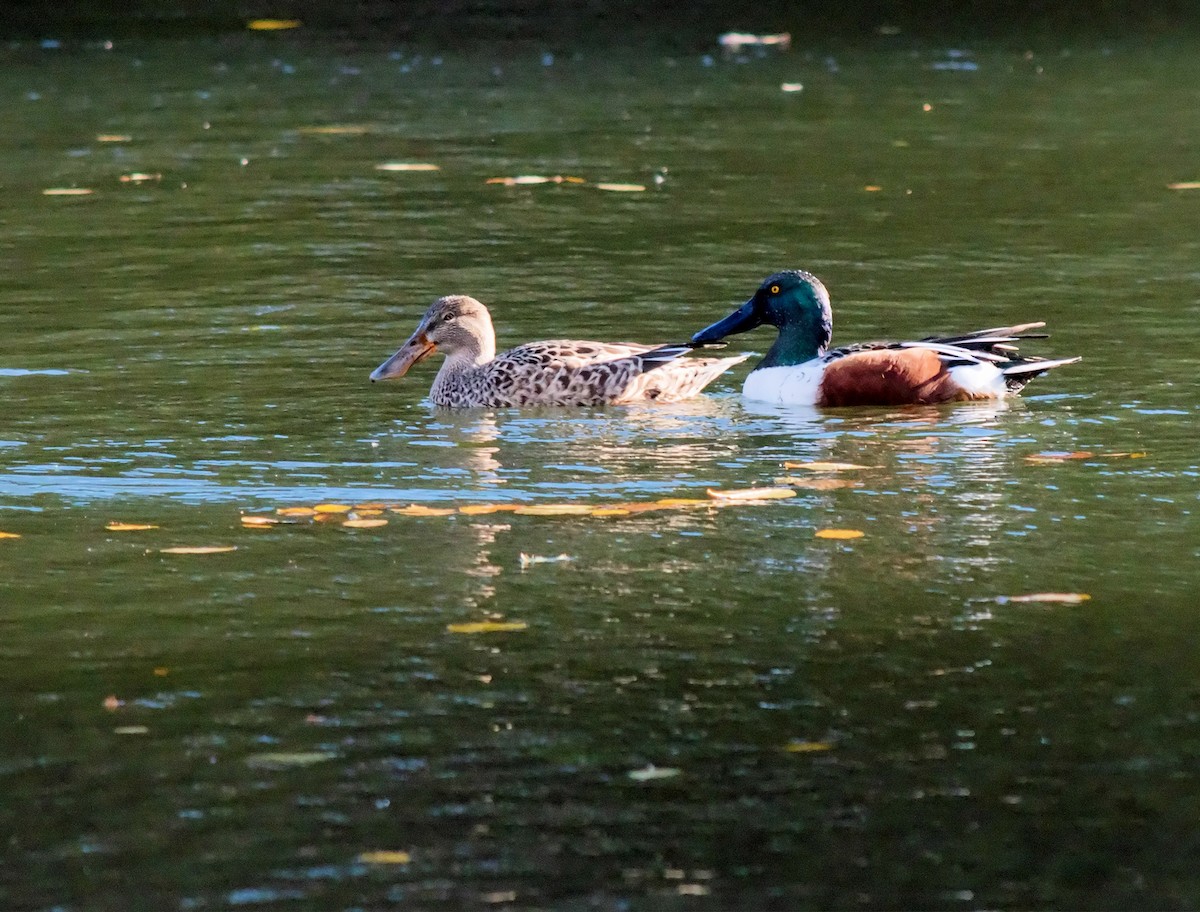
(774, 289)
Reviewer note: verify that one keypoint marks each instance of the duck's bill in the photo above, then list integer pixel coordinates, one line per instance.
(739, 321)
(410, 353)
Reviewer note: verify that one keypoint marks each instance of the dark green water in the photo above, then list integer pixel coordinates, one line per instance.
(236, 730)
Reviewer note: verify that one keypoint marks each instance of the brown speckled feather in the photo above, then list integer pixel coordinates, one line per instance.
(559, 372)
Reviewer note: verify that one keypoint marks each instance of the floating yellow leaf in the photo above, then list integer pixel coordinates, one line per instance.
(9, 535)
(486, 627)
(1062, 598)
(284, 759)
(385, 857)
(131, 730)
(791, 87)
(364, 523)
(332, 508)
(422, 510)
(824, 466)
(199, 549)
(1184, 185)
(611, 511)
(139, 177)
(128, 527)
(161, 672)
(683, 502)
(526, 180)
(1059, 457)
(807, 747)
(257, 520)
(272, 25)
(295, 511)
(361, 512)
(651, 772)
(750, 494)
(336, 130)
(872, 188)
(839, 533)
(114, 138)
(483, 509)
(67, 191)
(621, 188)
(407, 166)
(818, 484)
(561, 509)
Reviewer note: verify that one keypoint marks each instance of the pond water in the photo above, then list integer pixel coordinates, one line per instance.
(683, 708)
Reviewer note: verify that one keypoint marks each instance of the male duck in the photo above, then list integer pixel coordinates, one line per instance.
(801, 370)
(558, 372)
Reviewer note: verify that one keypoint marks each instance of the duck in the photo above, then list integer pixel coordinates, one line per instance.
(801, 369)
(558, 372)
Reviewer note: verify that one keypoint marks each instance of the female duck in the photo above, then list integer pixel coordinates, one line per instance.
(801, 370)
(559, 372)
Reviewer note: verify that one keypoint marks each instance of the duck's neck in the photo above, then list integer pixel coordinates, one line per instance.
(797, 342)
(461, 363)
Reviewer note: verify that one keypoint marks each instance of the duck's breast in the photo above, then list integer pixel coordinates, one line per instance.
(798, 384)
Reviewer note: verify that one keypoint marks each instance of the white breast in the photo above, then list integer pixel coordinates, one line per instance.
(793, 385)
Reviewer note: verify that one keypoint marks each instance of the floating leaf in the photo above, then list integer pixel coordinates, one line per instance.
(872, 188)
(650, 772)
(839, 533)
(285, 759)
(422, 510)
(751, 494)
(272, 25)
(332, 508)
(1184, 185)
(67, 191)
(527, 180)
(9, 535)
(364, 523)
(128, 527)
(335, 130)
(114, 138)
(825, 466)
(1059, 456)
(385, 857)
(131, 730)
(199, 549)
(670, 502)
(807, 747)
(1062, 598)
(139, 177)
(791, 87)
(562, 509)
(484, 509)
(611, 511)
(528, 560)
(295, 511)
(487, 627)
(361, 512)
(256, 520)
(621, 188)
(407, 166)
(818, 484)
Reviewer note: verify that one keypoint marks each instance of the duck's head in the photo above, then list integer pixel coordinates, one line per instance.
(456, 325)
(796, 303)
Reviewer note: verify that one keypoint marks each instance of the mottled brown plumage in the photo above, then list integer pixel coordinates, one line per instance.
(557, 372)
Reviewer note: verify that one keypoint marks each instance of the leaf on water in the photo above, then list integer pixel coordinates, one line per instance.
(131, 730)
(807, 747)
(1184, 185)
(199, 549)
(360, 513)
(67, 191)
(487, 627)
(562, 509)
(528, 180)
(818, 484)
(839, 533)
(872, 188)
(751, 494)
(621, 188)
(140, 177)
(332, 508)
(484, 509)
(272, 25)
(9, 535)
(791, 87)
(385, 857)
(295, 511)
(611, 511)
(257, 520)
(128, 527)
(1061, 598)
(683, 502)
(114, 138)
(528, 560)
(364, 523)
(825, 466)
(286, 759)
(407, 166)
(1059, 456)
(335, 130)
(422, 510)
(650, 772)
